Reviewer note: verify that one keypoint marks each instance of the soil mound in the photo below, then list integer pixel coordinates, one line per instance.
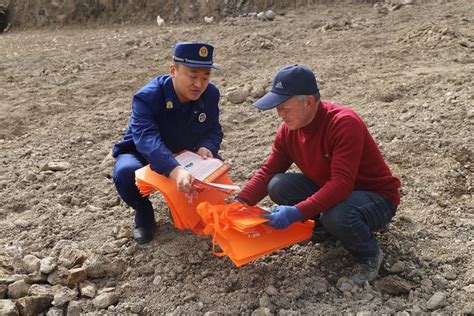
(34, 13)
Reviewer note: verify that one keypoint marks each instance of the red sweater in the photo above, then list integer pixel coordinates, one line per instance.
(336, 152)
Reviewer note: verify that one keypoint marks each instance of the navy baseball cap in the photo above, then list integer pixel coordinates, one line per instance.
(196, 55)
(289, 81)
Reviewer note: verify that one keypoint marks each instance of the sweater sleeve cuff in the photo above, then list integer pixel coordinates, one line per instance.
(242, 200)
(307, 210)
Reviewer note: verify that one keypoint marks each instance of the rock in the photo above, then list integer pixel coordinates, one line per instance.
(393, 284)
(55, 312)
(122, 232)
(87, 289)
(436, 301)
(395, 304)
(75, 308)
(56, 166)
(31, 263)
(264, 300)
(237, 96)
(33, 305)
(8, 279)
(99, 266)
(18, 289)
(22, 223)
(71, 255)
(265, 311)
(321, 286)
(41, 290)
(58, 276)
(47, 265)
(63, 294)
(269, 15)
(96, 210)
(3, 291)
(8, 308)
(257, 92)
(36, 277)
(450, 275)
(345, 287)
(398, 267)
(157, 280)
(75, 201)
(104, 300)
(203, 245)
(189, 297)
(261, 16)
(343, 280)
(136, 307)
(271, 290)
(108, 248)
(439, 281)
(469, 288)
(106, 290)
(76, 275)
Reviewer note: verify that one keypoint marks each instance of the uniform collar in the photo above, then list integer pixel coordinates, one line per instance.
(169, 95)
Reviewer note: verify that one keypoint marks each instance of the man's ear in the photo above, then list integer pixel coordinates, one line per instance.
(172, 70)
(311, 101)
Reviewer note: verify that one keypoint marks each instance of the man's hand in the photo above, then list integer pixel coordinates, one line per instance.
(205, 153)
(183, 179)
(283, 216)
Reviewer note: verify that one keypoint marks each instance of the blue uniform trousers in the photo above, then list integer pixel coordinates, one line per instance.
(352, 221)
(124, 179)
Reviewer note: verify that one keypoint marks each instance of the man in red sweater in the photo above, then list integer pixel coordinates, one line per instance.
(344, 183)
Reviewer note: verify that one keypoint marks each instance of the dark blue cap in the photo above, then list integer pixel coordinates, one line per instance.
(289, 81)
(196, 55)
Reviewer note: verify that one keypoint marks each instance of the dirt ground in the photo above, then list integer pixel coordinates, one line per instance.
(65, 100)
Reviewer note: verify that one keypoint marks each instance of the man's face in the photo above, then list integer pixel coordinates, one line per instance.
(189, 83)
(295, 112)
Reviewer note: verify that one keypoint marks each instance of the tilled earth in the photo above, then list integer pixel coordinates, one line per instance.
(65, 100)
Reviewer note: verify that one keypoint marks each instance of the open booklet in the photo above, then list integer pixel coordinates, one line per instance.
(205, 170)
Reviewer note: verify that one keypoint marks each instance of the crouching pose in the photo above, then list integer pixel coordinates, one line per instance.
(171, 113)
(344, 184)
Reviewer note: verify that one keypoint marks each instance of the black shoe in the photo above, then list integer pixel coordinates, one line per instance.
(368, 269)
(142, 235)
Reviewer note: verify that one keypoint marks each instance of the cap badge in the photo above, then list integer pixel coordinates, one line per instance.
(169, 104)
(279, 85)
(202, 117)
(203, 51)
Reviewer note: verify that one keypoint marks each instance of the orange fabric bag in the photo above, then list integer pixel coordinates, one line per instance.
(234, 215)
(182, 205)
(256, 240)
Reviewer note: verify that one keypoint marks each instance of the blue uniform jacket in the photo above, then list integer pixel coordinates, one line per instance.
(161, 126)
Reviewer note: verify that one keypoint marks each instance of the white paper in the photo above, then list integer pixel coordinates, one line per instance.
(199, 167)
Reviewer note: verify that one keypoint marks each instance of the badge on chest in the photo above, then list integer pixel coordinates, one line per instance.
(202, 117)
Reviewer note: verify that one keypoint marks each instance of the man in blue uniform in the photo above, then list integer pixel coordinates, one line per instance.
(171, 113)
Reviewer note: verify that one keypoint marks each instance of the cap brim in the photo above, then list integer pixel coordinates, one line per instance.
(213, 66)
(270, 101)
